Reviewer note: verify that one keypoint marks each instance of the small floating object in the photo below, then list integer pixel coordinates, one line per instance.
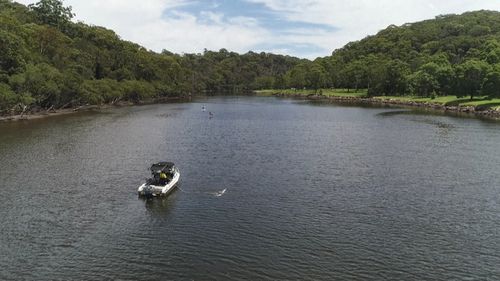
(220, 193)
(203, 108)
(165, 176)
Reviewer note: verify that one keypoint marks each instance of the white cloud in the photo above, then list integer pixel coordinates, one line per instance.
(145, 22)
(187, 35)
(356, 19)
(213, 17)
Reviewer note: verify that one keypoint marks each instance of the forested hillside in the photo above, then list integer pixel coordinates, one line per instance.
(450, 55)
(46, 60)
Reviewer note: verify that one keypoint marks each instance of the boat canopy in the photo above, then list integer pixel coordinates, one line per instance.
(162, 167)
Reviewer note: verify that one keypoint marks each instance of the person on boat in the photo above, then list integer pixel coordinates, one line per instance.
(163, 178)
(156, 178)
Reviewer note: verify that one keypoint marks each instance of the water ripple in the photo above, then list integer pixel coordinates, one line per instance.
(311, 193)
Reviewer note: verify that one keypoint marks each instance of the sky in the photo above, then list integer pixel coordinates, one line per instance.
(301, 28)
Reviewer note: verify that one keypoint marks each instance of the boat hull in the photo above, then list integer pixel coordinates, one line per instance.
(150, 190)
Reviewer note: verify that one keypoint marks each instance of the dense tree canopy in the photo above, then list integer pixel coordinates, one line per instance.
(52, 12)
(47, 60)
(450, 55)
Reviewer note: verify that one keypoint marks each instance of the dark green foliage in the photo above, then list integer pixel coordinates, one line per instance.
(52, 12)
(12, 53)
(423, 84)
(389, 77)
(226, 72)
(47, 60)
(491, 85)
(42, 82)
(450, 55)
(471, 75)
(7, 96)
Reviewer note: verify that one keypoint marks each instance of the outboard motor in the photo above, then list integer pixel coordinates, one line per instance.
(148, 190)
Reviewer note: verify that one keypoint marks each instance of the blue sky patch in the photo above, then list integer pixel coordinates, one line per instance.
(266, 18)
(273, 21)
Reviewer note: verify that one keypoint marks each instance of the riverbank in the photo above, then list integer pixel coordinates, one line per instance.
(479, 106)
(44, 113)
(48, 113)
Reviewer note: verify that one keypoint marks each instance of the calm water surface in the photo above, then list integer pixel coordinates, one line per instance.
(313, 192)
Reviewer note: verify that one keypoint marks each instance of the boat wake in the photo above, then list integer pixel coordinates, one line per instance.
(216, 194)
(220, 193)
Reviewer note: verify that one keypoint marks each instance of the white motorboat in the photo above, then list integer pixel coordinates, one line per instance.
(164, 180)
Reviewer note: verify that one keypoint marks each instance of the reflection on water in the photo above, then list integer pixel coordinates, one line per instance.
(160, 206)
(394, 113)
(271, 190)
(434, 122)
(444, 128)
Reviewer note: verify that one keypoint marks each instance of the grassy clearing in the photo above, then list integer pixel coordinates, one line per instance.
(344, 93)
(493, 103)
(266, 93)
(325, 92)
(484, 102)
(445, 100)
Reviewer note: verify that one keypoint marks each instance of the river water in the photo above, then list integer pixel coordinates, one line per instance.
(312, 192)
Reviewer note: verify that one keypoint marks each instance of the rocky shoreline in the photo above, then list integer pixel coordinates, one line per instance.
(470, 110)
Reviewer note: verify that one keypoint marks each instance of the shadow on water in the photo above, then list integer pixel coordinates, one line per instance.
(420, 112)
(394, 113)
(165, 115)
(403, 110)
(420, 117)
(273, 190)
(160, 207)
(436, 123)
(341, 104)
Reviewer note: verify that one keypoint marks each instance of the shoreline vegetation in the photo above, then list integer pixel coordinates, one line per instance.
(49, 61)
(50, 64)
(39, 113)
(477, 106)
(484, 107)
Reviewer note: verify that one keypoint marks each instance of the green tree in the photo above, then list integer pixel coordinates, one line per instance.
(52, 12)
(296, 78)
(491, 51)
(423, 84)
(136, 91)
(100, 91)
(491, 85)
(444, 74)
(316, 76)
(7, 96)
(264, 82)
(42, 82)
(471, 76)
(355, 75)
(279, 82)
(394, 79)
(12, 53)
